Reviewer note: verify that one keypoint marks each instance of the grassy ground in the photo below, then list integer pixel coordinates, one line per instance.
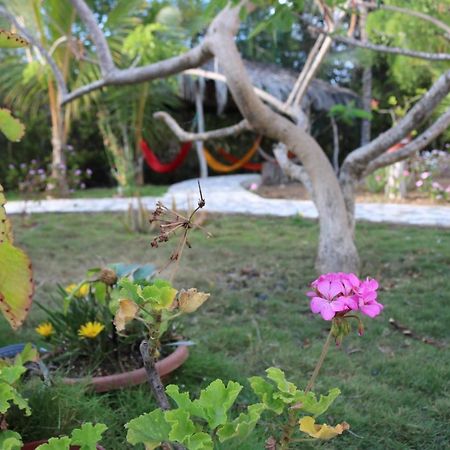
(395, 390)
(147, 190)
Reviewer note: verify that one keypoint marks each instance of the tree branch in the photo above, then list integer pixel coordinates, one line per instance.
(386, 159)
(171, 66)
(357, 160)
(294, 171)
(113, 76)
(263, 95)
(378, 48)
(185, 136)
(102, 49)
(35, 42)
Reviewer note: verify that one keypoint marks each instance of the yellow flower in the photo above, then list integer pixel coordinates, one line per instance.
(83, 291)
(325, 432)
(91, 330)
(45, 329)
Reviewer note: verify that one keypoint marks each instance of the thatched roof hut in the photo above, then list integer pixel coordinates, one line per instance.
(275, 80)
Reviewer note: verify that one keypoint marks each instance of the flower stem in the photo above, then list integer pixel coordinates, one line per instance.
(290, 427)
(319, 364)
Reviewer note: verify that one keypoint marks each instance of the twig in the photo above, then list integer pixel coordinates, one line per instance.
(153, 377)
(411, 334)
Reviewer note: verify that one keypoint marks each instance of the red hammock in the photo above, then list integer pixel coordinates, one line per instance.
(154, 163)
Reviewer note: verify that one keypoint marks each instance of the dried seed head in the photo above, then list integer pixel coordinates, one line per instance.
(108, 276)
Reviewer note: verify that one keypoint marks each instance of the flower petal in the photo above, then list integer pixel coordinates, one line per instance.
(317, 304)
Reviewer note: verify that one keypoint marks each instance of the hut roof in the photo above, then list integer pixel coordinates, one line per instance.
(275, 80)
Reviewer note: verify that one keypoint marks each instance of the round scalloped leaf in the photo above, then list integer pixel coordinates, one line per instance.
(11, 40)
(11, 127)
(16, 284)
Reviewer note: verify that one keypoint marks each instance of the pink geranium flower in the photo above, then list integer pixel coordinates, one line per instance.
(338, 293)
(367, 298)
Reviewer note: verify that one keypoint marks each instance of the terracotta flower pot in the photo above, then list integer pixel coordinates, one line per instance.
(35, 444)
(122, 380)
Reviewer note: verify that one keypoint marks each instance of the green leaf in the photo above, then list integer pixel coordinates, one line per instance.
(10, 440)
(100, 292)
(8, 395)
(182, 425)
(61, 443)
(216, 400)
(88, 435)
(12, 374)
(11, 40)
(311, 405)
(16, 284)
(242, 426)
(149, 429)
(28, 354)
(200, 441)
(183, 401)
(265, 392)
(11, 127)
(278, 377)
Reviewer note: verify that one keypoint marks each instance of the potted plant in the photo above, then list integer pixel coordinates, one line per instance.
(87, 342)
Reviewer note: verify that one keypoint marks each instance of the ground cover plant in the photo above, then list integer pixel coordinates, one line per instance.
(260, 317)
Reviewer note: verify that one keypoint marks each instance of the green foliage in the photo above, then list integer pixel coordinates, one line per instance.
(11, 127)
(61, 443)
(241, 427)
(401, 30)
(349, 113)
(88, 435)
(149, 429)
(276, 395)
(196, 423)
(10, 374)
(10, 440)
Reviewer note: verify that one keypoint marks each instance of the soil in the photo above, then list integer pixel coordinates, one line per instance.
(296, 191)
(110, 365)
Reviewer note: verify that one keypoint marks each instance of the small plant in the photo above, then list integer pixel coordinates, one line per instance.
(203, 423)
(33, 178)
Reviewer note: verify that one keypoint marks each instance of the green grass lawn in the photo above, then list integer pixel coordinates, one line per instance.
(151, 190)
(395, 390)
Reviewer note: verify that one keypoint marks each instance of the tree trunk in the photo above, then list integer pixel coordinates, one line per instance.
(337, 251)
(58, 185)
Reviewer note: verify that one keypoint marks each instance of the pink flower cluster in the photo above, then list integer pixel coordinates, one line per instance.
(339, 293)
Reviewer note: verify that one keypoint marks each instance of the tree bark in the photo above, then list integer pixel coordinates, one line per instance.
(58, 185)
(337, 250)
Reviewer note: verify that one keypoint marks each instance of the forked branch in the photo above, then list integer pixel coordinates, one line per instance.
(186, 136)
(412, 147)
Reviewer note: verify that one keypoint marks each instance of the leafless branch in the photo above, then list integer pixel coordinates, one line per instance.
(386, 159)
(378, 48)
(263, 95)
(102, 49)
(357, 160)
(171, 66)
(35, 42)
(411, 12)
(185, 136)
